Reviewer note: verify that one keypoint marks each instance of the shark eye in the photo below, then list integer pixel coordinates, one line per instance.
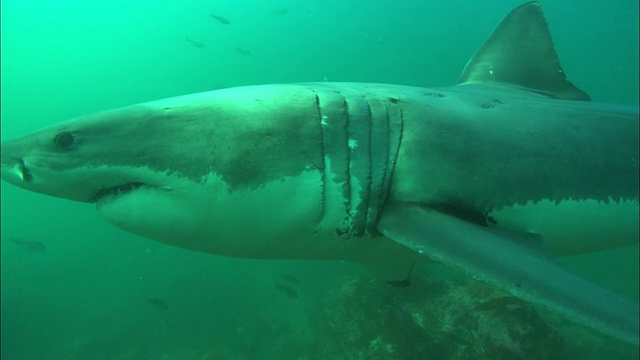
(64, 140)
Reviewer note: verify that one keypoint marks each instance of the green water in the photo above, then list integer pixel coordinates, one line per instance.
(84, 297)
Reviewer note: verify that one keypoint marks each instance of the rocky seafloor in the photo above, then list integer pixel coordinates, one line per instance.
(364, 318)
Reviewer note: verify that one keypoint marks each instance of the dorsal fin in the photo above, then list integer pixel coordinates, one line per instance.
(520, 52)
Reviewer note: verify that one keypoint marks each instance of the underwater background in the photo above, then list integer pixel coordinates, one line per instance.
(74, 287)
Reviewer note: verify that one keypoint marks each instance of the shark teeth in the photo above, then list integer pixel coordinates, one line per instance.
(117, 191)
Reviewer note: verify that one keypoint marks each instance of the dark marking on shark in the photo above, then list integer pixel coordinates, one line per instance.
(462, 211)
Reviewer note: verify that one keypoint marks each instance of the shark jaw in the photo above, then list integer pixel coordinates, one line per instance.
(116, 192)
(99, 185)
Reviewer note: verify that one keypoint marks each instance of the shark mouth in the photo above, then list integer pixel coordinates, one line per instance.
(115, 192)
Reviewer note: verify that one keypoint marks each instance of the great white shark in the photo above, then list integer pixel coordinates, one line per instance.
(493, 176)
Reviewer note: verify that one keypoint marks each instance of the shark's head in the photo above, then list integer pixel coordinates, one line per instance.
(112, 160)
(163, 171)
(70, 161)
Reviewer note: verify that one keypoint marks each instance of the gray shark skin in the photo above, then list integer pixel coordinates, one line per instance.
(490, 176)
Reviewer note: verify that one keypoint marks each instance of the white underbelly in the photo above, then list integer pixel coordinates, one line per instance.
(575, 227)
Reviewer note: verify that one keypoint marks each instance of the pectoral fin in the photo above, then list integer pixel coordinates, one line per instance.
(510, 265)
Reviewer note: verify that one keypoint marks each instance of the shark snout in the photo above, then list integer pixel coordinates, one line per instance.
(14, 168)
(18, 169)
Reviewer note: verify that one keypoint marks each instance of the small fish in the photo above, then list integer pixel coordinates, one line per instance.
(158, 303)
(280, 12)
(498, 303)
(196, 43)
(287, 290)
(221, 19)
(290, 279)
(29, 245)
(243, 51)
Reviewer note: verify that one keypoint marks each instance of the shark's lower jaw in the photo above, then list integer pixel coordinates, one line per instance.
(114, 193)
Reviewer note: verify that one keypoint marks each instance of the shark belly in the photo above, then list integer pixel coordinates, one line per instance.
(575, 227)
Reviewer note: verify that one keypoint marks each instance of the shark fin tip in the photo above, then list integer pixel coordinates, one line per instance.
(520, 52)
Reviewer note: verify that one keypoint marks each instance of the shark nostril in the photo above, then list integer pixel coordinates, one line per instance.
(25, 174)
